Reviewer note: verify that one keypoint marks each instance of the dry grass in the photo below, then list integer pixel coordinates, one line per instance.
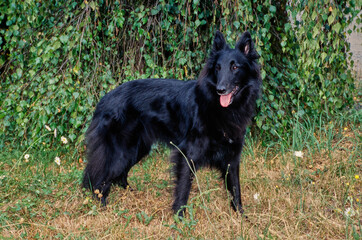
(299, 198)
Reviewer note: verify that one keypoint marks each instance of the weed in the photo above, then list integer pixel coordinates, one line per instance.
(144, 218)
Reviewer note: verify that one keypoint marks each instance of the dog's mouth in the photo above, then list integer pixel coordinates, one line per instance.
(227, 99)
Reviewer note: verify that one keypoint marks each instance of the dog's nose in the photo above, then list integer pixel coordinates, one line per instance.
(221, 91)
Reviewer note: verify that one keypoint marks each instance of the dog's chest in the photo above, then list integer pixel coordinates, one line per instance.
(227, 138)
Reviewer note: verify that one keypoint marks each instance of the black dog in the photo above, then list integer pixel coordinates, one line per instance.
(206, 119)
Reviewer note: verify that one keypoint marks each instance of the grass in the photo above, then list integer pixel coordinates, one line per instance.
(284, 196)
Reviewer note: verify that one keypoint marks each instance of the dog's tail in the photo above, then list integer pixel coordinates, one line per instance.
(98, 152)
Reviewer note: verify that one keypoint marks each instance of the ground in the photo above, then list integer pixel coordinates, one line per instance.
(311, 194)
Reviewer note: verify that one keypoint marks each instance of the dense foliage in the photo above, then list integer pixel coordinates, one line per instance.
(59, 57)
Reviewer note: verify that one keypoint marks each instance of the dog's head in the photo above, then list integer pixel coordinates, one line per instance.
(229, 71)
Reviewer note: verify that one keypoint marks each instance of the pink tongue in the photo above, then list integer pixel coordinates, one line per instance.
(225, 100)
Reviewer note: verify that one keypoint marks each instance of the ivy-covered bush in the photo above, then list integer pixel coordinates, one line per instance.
(59, 57)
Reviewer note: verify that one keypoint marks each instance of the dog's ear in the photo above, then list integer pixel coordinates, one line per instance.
(246, 46)
(219, 42)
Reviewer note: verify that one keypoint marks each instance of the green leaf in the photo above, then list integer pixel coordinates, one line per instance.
(324, 17)
(182, 61)
(336, 27)
(64, 38)
(316, 31)
(93, 5)
(323, 55)
(154, 11)
(31, 73)
(272, 9)
(330, 19)
(197, 22)
(287, 26)
(56, 45)
(236, 24)
(19, 72)
(263, 74)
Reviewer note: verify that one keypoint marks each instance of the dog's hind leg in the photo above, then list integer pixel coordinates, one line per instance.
(121, 173)
(134, 155)
(122, 180)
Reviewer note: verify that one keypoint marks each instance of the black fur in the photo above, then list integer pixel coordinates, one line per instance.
(129, 119)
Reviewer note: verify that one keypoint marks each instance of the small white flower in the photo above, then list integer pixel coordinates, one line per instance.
(64, 140)
(48, 128)
(55, 132)
(57, 160)
(349, 212)
(2, 177)
(256, 197)
(26, 156)
(298, 154)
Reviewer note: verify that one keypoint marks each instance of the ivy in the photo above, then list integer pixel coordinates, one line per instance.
(58, 58)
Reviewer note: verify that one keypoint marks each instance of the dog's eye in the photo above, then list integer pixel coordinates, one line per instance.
(234, 67)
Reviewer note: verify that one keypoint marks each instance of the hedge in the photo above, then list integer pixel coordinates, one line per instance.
(58, 57)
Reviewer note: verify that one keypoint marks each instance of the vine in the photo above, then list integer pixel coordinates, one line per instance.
(58, 58)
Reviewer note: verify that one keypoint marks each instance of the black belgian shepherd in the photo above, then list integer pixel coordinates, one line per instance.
(205, 118)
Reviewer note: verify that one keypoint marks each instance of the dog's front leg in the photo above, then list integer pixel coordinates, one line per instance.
(233, 185)
(184, 177)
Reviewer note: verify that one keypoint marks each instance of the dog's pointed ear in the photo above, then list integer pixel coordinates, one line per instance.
(245, 44)
(219, 42)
